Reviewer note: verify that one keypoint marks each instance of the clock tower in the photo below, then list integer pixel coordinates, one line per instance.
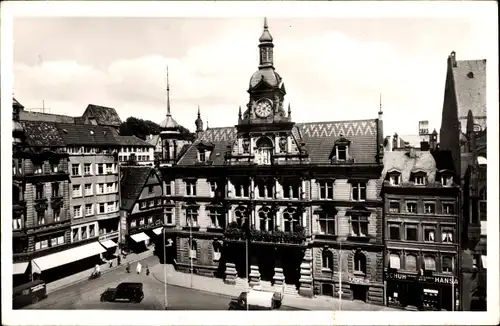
(266, 88)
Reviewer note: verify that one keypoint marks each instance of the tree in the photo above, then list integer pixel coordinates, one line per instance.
(142, 128)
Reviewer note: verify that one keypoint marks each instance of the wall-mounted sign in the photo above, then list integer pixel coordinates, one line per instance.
(358, 280)
(108, 236)
(421, 278)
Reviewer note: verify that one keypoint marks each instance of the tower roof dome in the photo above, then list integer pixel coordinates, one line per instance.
(269, 75)
(266, 36)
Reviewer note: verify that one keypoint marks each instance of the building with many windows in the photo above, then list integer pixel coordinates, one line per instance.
(95, 211)
(463, 132)
(421, 222)
(142, 208)
(134, 150)
(279, 203)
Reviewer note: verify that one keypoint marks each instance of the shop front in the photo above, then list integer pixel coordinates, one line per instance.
(110, 243)
(422, 292)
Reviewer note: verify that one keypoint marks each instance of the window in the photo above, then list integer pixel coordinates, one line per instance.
(217, 252)
(266, 218)
(411, 263)
(168, 189)
(55, 189)
(40, 217)
(83, 232)
(38, 168)
(87, 168)
(39, 191)
(75, 235)
(394, 261)
(419, 179)
(192, 217)
(57, 215)
(359, 191)
(190, 187)
(151, 203)
(102, 208)
(100, 168)
(292, 219)
(151, 189)
(394, 232)
(266, 189)
(17, 165)
(411, 233)
(359, 263)
(120, 158)
(216, 217)
(158, 202)
(327, 260)
(41, 244)
(341, 152)
(109, 168)
(88, 189)
(448, 208)
(429, 234)
(77, 191)
(447, 264)
(16, 223)
(447, 180)
(192, 249)
(447, 236)
(143, 204)
(241, 215)
(327, 223)
(141, 221)
(150, 220)
(75, 169)
(77, 211)
(111, 207)
(100, 188)
(326, 189)
(429, 263)
(429, 208)
(291, 189)
(168, 216)
(264, 151)
(92, 231)
(110, 187)
(241, 189)
(203, 155)
(394, 207)
(213, 188)
(56, 241)
(411, 207)
(395, 179)
(359, 225)
(133, 223)
(54, 166)
(89, 209)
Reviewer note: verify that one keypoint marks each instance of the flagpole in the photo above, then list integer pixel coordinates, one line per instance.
(165, 267)
(453, 284)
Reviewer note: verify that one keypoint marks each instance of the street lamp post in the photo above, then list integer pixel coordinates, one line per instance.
(340, 277)
(165, 268)
(191, 248)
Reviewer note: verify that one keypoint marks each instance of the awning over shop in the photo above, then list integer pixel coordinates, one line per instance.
(69, 256)
(108, 244)
(483, 261)
(19, 268)
(139, 237)
(158, 230)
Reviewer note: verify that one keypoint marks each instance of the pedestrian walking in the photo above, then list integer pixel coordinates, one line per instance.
(110, 263)
(128, 267)
(147, 269)
(118, 260)
(139, 267)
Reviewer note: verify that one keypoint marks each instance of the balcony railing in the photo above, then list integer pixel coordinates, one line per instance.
(275, 236)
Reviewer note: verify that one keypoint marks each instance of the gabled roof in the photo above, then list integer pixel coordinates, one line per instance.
(16, 103)
(42, 134)
(153, 140)
(104, 116)
(132, 141)
(74, 134)
(406, 164)
(47, 117)
(319, 139)
(469, 78)
(133, 180)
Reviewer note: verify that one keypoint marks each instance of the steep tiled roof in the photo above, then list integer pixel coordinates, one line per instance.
(132, 141)
(48, 117)
(74, 134)
(42, 134)
(319, 139)
(469, 77)
(153, 140)
(104, 116)
(404, 163)
(169, 123)
(16, 103)
(132, 182)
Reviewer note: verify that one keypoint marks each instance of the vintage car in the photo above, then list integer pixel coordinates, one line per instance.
(124, 291)
(28, 293)
(256, 299)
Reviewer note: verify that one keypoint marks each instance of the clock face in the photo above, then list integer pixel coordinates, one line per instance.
(263, 109)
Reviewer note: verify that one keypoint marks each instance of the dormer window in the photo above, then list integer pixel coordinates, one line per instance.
(202, 155)
(394, 178)
(264, 151)
(446, 179)
(418, 178)
(204, 150)
(340, 152)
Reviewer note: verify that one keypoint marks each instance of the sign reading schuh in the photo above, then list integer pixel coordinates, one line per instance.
(421, 278)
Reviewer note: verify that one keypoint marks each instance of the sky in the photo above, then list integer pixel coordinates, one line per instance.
(333, 68)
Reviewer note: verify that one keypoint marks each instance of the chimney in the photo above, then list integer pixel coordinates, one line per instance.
(452, 59)
(433, 140)
(395, 141)
(424, 146)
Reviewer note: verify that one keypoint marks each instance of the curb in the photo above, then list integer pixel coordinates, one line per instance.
(102, 273)
(214, 293)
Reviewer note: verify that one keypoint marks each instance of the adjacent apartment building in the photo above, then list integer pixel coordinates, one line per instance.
(463, 132)
(422, 227)
(279, 203)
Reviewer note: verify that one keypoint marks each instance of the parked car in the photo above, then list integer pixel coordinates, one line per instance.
(124, 291)
(28, 293)
(257, 300)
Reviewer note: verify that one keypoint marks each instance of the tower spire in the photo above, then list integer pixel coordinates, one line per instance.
(198, 122)
(289, 110)
(380, 102)
(168, 94)
(239, 112)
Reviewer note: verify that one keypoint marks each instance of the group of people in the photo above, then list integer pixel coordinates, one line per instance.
(138, 268)
(97, 270)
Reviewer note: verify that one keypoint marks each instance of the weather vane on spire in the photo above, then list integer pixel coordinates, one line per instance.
(168, 92)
